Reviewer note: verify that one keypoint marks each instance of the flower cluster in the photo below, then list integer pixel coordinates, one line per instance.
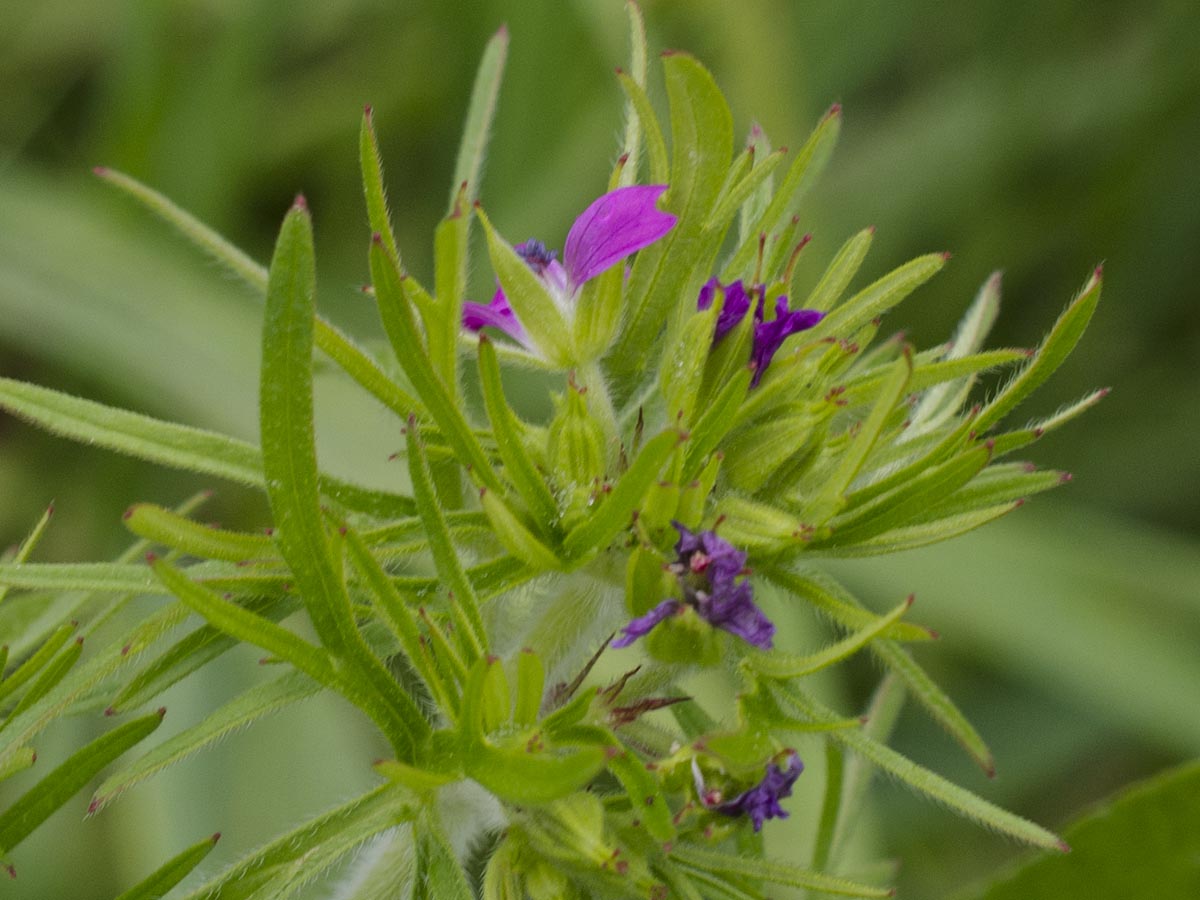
(768, 335)
(611, 229)
(707, 569)
(760, 802)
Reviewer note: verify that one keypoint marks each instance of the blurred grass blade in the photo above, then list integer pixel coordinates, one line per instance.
(695, 857)
(482, 110)
(53, 791)
(284, 866)
(246, 708)
(924, 781)
(25, 549)
(170, 873)
(169, 444)
(329, 339)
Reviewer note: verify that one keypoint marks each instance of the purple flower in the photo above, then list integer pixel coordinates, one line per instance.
(761, 802)
(707, 569)
(612, 228)
(768, 336)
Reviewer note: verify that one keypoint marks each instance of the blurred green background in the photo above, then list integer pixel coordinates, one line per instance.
(1038, 137)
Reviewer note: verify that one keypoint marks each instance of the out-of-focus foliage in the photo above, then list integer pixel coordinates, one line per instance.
(1036, 137)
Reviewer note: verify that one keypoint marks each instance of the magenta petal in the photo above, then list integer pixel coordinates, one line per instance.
(614, 226)
(497, 314)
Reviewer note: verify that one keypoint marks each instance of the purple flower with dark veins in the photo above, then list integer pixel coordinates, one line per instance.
(707, 569)
(761, 802)
(768, 336)
(612, 228)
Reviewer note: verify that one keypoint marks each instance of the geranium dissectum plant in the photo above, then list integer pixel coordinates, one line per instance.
(524, 625)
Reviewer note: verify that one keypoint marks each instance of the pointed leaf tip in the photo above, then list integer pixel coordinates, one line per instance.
(300, 203)
(102, 171)
(834, 110)
(216, 837)
(368, 111)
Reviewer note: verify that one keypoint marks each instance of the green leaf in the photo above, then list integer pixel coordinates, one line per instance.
(480, 113)
(656, 146)
(890, 394)
(162, 526)
(438, 875)
(878, 297)
(506, 430)
(840, 272)
(53, 791)
(694, 857)
(398, 320)
(531, 684)
(170, 873)
(37, 661)
(830, 598)
(374, 190)
(616, 512)
(17, 761)
(280, 869)
(413, 778)
(1054, 349)
(631, 145)
(288, 441)
(803, 172)
(247, 707)
(402, 621)
(924, 781)
(702, 149)
(778, 664)
(919, 535)
(464, 604)
(50, 677)
(1142, 843)
(732, 199)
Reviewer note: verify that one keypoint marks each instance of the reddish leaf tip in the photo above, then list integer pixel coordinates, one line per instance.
(1099, 275)
(368, 110)
(934, 634)
(1063, 846)
(162, 711)
(102, 171)
(871, 229)
(1065, 477)
(1020, 502)
(216, 836)
(910, 600)
(11, 870)
(79, 641)
(377, 238)
(834, 110)
(946, 255)
(128, 514)
(619, 70)
(125, 650)
(50, 509)
(151, 557)
(110, 711)
(93, 806)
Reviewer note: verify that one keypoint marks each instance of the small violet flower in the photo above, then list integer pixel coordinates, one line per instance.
(760, 802)
(768, 336)
(612, 228)
(707, 568)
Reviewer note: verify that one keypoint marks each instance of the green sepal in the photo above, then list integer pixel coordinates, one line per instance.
(575, 446)
(417, 780)
(656, 145)
(878, 297)
(693, 499)
(716, 421)
(645, 793)
(443, 317)
(170, 873)
(616, 512)
(529, 298)
(37, 661)
(374, 189)
(531, 685)
(598, 309)
(685, 638)
(49, 678)
(762, 529)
